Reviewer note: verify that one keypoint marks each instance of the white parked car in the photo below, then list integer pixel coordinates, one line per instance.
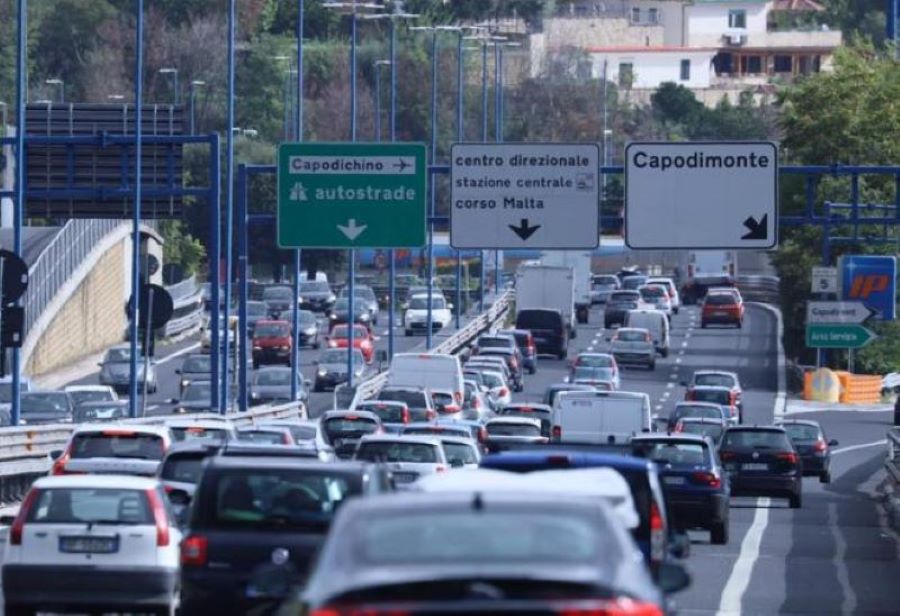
(416, 318)
(92, 543)
(407, 457)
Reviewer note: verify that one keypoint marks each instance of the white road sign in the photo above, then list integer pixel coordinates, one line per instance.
(524, 195)
(850, 313)
(824, 280)
(701, 195)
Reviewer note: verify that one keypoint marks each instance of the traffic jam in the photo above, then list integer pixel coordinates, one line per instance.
(456, 488)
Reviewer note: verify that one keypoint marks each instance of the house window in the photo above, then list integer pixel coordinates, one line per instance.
(737, 18)
(653, 16)
(751, 65)
(635, 15)
(685, 70)
(626, 74)
(783, 64)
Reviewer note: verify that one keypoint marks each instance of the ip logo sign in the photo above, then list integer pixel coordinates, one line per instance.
(871, 280)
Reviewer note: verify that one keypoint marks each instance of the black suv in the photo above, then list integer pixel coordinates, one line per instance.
(762, 461)
(257, 523)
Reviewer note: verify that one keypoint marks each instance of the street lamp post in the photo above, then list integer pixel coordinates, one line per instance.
(196, 83)
(378, 65)
(174, 72)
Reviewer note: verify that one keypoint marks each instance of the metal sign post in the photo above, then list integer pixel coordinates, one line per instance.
(148, 332)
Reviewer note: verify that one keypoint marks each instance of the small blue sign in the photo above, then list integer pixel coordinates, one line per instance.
(871, 279)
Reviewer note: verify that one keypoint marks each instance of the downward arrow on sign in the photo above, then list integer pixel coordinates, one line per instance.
(351, 230)
(523, 230)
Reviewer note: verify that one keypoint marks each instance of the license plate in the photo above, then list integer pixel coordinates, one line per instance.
(721, 313)
(405, 477)
(754, 466)
(673, 481)
(89, 545)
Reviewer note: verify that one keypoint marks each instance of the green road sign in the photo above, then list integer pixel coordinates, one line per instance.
(828, 336)
(351, 195)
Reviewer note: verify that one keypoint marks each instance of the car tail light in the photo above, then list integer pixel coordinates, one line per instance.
(404, 416)
(557, 433)
(787, 456)
(482, 434)
(194, 551)
(59, 465)
(657, 534)
(503, 392)
(160, 517)
(451, 408)
(458, 396)
(820, 446)
(332, 344)
(707, 479)
(514, 363)
(610, 607)
(679, 427)
(440, 468)
(18, 525)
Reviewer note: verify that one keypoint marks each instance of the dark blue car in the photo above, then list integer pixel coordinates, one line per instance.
(694, 481)
(655, 534)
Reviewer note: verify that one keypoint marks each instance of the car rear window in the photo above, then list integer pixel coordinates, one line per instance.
(674, 453)
(697, 411)
(344, 426)
(505, 429)
(801, 432)
(283, 500)
(652, 292)
(196, 364)
(199, 433)
(90, 396)
(720, 299)
(268, 330)
(761, 439)
(419, 453)
(538, 319)
(387, 413)
(412, 399)
(587, 373)
(117, 444)
(716, 396)
(494, 342)
(457, 453)
(261, 436)
(712, 430)
(183, 468)
(624, 296)
(90, 505)
(483, 537)
(714, 380)
(594, 361)
(631, 336)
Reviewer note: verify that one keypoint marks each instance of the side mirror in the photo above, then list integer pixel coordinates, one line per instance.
(179, 498)
(672, 578)
(56, 454)
(833, 443)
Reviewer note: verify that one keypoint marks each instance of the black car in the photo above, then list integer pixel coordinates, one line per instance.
(548, 328)
(316, 295)
(331, 369)
(694, 481)
(340, 312)
(279, 299)
(812, 445)
(762, 461)
(194, 367)
(256, 524)
(618, 305)
(308, 327)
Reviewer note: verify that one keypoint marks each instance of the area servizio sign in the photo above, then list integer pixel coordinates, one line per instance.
(351, 195)
(524, 195)
(834, 336)
(699, 195)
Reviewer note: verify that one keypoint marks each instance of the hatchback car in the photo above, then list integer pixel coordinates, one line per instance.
(618, 305)
(393, 415)
(365, 296)
(722, 308)
(718, 378)
(113, 449)
(762, 461)
(343, 429)
(272, 343)
(417, 400)
(704, 426)
(811, 443)
(316, 295)
(542, 412)
(331, 369)
(339, 338)
(723, 396)
(273, 384)
(633, 346)
(406, 457)
(602, 286)
(416, 317)
(90, 393)
(115, 370)
(95, 544)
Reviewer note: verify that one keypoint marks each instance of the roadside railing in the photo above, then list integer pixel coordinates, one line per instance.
(759, 288)
(892, 463)
(187, 313)
(25, 451)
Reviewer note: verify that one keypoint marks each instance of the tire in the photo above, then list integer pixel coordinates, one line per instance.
(562, 353)
(825, 477)
(315, 345)
(796, 500)
(532, 370)
(675, 310)
(664, 353)
(718, 533)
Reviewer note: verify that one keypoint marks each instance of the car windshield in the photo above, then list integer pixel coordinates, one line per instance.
(480, 537)
(712, 430)
(624, 296)
(314, 286)
(756, 439)
(98, 395)
(272, 330)
(459, 453)
(584, 373)
(337, 427)
(594, 361)
(507, 429)
(492, 379)
(341, 331)
(118, 355)
(278, 500)
(117, 443)
(273, 377)
(91, 505)
(267, 437)
(667, 452)
(199, 433)
(359, 293)
(687, 410)
(279, 293)
(197, 392)
(256, 309)
(387, 413)
(339, 356)
(181, 468)
(306, 318)
(343, 304)
(421, 303)
(717, 396)
(714, 380)
(412, 398)
(652, 292)
(94, 411)
(494, 342)
(397, 451)
(196, 364)
(44, 402)
(631, 335)
(801, 432)
(720, 299)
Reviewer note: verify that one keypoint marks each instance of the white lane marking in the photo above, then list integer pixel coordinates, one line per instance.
(179, 353)
(591, 348)
(739, 579)
(681, 352)
(677, 360)
(658, 407)
(670, 385)
(683, 343)
(848, 605)
(857, 447)
(665, 394)
(837, 410)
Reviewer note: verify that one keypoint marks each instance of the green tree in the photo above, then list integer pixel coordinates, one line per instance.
(181, 247)
(675, 104)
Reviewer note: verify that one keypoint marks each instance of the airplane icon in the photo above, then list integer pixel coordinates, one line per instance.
(402, 165)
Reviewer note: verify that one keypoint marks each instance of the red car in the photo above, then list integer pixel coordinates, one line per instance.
(272, 343)
(362, 340)
(722, 307)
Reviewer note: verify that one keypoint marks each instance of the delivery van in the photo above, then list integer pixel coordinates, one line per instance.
(599, 417)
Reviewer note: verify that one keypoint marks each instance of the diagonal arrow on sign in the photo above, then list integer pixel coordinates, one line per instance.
(849, 313)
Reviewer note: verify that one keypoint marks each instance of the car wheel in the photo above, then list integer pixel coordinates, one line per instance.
(796, 500)
(675, 310)
(825, 477)
(532, 370)
(562, 354)
(718, 534)
(664, 353)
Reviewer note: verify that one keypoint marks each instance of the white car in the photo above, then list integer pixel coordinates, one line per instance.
(105, 449)
(416, 317)
(407, 457)
(461, 452)
(669, 284)
(500, 391)
(514, 429)
(657, 296)
(206, 430)
(92, 543)
(632, 345)
(90, 393)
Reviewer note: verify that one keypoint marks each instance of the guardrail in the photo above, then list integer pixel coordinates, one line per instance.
(25, 451)
(187, 298)
(892, 463)
(454, 344)
(759, 288)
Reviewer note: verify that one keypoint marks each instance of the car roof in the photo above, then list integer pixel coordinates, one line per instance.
(162, 431)
(381, 403)
(285, 462)
(193, 446)
(77, 388)
(633, 329)
(450, 423)
(459, 440)
(514, 420)
(198, 423)
(535, 406)
(711, 388)
(261, 428)
(401, 438)
(272, 322)
(719, 421)
(600, 459)
(801, 422)
(674, 437)
(96, 481)
(712, 371)
(700, 403)
(747, 428)
(338, 414)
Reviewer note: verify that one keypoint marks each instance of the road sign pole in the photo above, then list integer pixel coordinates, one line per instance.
(21, 85)
(351, 254)
(242, 272)
(136, 220)
(229, 205)
(432, 191)
(295, 309)
(148, 326)
(392, 267)
(460, 136)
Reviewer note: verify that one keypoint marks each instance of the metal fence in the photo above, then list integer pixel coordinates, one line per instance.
(187, 298)
(892, 463)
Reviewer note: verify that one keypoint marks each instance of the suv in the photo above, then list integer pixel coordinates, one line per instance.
(257, 523)
(549, 329)
(762, 461)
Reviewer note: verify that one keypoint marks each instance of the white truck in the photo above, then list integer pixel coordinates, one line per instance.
(580, 262)
(599, 417)
(707, 268)
(549, 287)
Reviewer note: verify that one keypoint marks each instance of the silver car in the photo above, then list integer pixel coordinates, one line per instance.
(115, 370)
(633, 345)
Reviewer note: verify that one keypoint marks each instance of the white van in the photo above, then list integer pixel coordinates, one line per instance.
(601, 417)
(434, 371)
(654, 321)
